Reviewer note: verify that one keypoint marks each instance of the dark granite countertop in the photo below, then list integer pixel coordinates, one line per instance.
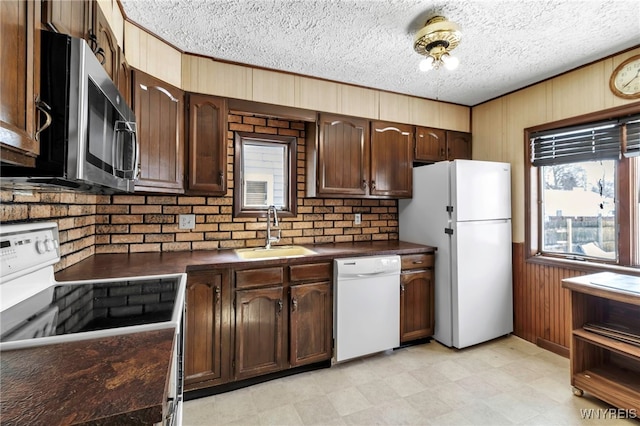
(136, 264)
(113, 380)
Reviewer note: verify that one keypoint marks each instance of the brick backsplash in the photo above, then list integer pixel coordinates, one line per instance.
(149, 223)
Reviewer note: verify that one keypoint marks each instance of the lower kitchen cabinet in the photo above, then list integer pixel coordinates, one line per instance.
(310, 323)
(259, 331)
(207, 329)
(416, 297)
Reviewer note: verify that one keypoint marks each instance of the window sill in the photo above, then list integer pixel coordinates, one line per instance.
(582, 265)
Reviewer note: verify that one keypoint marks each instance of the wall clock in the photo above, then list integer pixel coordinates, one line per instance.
(625, 79)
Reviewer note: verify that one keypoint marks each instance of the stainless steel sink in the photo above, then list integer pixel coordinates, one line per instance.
(273, 252)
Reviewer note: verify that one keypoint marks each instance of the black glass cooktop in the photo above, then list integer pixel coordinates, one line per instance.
(76, 308)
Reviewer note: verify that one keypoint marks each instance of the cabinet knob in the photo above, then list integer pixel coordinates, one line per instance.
(364, 184)
(294, 305)
(373, 185)
(217, 292)
(279, 306)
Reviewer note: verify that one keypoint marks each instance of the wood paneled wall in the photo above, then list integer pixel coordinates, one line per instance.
(540, 304)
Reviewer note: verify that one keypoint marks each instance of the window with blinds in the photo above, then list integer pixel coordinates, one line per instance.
(605, 140)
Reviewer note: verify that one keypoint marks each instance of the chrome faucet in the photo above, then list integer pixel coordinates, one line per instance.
(269, 238)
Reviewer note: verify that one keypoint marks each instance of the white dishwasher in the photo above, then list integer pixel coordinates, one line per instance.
(366, 308)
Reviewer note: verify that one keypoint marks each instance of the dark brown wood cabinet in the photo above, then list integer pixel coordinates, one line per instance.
(338, 158)
(20, 82)
(391, 160)
(311, 314)
(106, 49)
(458, 145)
(417, 316)
(357, 158)
(259, 331)
(125, 77)
(431, 144)
(207, 118)
(72, 17)
(207, 329)
(438, 145)
(159, 111)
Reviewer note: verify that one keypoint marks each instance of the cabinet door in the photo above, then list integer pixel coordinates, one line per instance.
(343, 153)
(159, 113)
(72, 17)
(431, 144)
(107, 44)
(391, 159)
(207, 144)
(206, 354)
(124, 78)
(20, 82)
(416, 305)
(458, 145)
(310, 323)
(259, 331)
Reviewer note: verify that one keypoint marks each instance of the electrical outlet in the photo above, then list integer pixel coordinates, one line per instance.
(357, 218)
(187, 221)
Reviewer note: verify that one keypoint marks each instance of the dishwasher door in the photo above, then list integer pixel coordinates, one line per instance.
(366, 306)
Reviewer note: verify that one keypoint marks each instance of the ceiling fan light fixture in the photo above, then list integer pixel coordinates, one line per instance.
(436, 40)
(426, 64)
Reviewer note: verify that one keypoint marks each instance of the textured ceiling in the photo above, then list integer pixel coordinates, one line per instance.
(506, 44)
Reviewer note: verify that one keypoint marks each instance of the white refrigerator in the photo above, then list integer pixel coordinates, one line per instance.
(463, 207)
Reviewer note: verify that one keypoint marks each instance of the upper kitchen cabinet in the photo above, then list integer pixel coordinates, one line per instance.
(159, 111)
(438, 145)
(20, 82)
(431, 144)
(104, 43)
(124, 82)
(207, 116)
(391, 160)
(355, 158)
(338, 157)
(72, 17)
(458, 145)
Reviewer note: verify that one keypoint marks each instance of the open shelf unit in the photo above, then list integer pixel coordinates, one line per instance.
(604, 366)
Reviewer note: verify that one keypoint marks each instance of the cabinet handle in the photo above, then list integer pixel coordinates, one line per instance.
(46, 109)
(217, 292)
(279, 306)
(294, 305)
(442, 152)
(448, 152)
(373, 185)
(418, 262)
(402, 288)
(364, 184)
(221, 175)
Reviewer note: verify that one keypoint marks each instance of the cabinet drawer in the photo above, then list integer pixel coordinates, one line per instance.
(259, 277)
(417, 261)
(313, 271)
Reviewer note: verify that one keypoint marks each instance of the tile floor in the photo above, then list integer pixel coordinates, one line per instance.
(502, 382)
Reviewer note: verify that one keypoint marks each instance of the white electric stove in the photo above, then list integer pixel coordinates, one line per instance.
(37, 310)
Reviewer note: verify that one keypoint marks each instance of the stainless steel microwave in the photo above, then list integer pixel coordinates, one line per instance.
(91, 143)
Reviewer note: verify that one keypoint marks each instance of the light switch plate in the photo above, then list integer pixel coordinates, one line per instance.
(357, 218)
(187, 221)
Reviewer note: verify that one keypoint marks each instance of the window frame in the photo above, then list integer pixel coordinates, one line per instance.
(626, 208)
(238, 192)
